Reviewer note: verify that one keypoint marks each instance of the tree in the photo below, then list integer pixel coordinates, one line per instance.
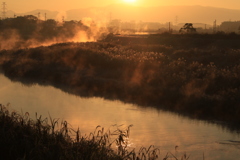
(188, 28)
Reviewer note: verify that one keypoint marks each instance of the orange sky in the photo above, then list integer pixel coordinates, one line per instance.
(63, 5)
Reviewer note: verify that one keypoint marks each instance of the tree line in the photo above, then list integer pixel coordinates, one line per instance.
(30, 27)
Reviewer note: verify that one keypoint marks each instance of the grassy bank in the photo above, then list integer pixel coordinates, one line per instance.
(196, 75)
(45, 138)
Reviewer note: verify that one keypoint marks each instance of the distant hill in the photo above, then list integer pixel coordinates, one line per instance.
(180, 14)
(183, 14)
(49, 14)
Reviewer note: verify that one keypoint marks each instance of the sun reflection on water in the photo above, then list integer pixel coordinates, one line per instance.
(162, 129)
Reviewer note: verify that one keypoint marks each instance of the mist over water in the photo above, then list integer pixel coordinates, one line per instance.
(99, 75)
(150, 126)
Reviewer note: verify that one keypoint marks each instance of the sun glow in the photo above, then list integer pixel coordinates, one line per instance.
(130, 1)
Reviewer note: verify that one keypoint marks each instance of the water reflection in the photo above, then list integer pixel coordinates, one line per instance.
(151, 127)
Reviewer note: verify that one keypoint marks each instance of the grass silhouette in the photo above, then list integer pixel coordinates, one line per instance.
(45, 138)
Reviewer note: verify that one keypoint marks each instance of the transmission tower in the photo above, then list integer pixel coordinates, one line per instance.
(176, 20)
(4, 8)
(215, 26)
(169, 27)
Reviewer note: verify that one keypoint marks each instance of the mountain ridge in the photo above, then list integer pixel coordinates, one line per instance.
(162, 14)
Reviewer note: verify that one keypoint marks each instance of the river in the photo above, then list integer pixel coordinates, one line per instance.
(164, 130)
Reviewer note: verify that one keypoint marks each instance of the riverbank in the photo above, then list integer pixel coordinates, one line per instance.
(197, 76)
(24, 137)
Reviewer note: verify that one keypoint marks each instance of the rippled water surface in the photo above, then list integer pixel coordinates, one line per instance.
(150, 126)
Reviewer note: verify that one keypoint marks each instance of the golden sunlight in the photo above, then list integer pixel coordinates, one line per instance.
(130, 1)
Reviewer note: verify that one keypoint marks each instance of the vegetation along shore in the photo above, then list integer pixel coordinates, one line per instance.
(41, 138)
(192, 74)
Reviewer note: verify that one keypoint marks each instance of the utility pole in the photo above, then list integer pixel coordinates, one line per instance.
(4, 10)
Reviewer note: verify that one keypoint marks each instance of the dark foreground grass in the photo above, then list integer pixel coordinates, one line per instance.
(24, 138)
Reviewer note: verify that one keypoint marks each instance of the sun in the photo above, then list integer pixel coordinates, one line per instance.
(130, 1)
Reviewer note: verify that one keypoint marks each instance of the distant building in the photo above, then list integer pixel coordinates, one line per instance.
(230, 26)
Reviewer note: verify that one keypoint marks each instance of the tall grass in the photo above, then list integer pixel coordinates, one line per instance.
(45, 138)
(197, 75)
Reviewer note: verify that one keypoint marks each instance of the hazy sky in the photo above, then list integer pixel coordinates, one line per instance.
(63, 5)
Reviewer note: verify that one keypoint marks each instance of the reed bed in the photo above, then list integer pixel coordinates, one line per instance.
(45, 138)
(195, 75)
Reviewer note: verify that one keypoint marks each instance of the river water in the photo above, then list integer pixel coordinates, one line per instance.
(162, 129)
